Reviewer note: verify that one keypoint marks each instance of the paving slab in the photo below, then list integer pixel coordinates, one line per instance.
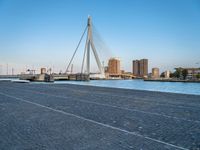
(53, 116)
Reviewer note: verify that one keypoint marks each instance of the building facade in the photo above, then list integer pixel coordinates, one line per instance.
(167, 74)
(114, 66)
(136, 67)
(192, 72)
(143, 67)
(140, 68)
(155, 73)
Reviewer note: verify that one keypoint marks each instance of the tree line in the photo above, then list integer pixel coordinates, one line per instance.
(179, 73)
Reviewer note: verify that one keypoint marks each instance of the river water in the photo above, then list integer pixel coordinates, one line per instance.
(173, 87)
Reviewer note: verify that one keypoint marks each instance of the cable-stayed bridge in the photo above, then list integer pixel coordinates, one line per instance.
(90, 47)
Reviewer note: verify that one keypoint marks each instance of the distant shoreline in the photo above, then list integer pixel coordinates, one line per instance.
(148, 79)
(173, 80)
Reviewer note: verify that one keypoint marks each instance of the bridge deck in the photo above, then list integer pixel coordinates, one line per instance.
(52, 116)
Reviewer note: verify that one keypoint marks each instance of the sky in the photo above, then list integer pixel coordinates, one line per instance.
(45, 33)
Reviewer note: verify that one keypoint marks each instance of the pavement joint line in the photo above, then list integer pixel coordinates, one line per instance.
(144, 99)
(107, 105)
(94, 122)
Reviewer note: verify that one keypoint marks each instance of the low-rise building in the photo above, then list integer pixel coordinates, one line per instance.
(167, 74)
(155, 73)
(192, 72)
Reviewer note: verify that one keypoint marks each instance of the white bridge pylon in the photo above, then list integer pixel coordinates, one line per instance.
(89, 46)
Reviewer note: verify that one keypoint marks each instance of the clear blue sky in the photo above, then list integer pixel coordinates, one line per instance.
(44, 33)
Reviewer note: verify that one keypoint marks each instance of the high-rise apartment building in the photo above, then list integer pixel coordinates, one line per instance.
(114, 66)
(136, 67)
(140, 67)
(143, 67)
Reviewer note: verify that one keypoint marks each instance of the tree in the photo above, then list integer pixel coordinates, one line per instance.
(184, 73)
(171, 75)
(162, 75)
(198, 76)
(178, 72)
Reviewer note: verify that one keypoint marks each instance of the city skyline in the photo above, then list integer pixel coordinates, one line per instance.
(36, 34)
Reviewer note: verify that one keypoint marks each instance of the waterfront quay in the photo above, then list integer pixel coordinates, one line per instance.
(72, 117)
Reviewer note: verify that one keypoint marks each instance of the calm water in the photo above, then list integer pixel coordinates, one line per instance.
(174, 87)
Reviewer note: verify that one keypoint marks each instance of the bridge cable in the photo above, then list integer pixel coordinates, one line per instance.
(76, 49)
(84, 56)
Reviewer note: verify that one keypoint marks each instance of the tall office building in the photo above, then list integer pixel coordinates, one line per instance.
(136, 67)
(114, 66)
(143, 67)
(140, 67)
(155, 73)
